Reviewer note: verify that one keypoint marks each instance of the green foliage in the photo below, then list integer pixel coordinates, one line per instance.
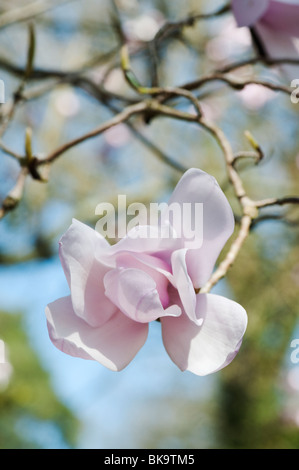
(251, 411)
(29, 407)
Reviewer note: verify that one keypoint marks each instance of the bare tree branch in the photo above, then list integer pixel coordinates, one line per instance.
(23, 13)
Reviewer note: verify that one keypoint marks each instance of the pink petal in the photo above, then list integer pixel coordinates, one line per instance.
(150, 239)
(114, 344)
(196, 186)
(210, 347)
(158, 270)
(279, 45)
(248, 12)
(135, 294)
(85, 273)
(183, 283)
(282, 16)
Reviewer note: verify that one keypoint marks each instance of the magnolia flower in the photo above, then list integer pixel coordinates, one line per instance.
(116, 291)
(275, 22)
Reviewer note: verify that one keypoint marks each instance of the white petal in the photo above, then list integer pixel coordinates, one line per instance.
(208, 348)
(114, 344)
(85, 273)
(135, 294)
(218, 223)
(183, 283)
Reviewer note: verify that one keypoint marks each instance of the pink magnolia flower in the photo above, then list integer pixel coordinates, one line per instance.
(276, 23)
(116, 290)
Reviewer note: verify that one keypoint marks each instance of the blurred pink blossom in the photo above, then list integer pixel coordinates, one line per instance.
(275, 22)
(255, 96)
(117, 290)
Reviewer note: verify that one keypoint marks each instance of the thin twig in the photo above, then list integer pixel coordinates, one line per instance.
(152, 106)
(235, 83)
(26, 12)
(15, 195)
(277, 201)
(258, 59)
(171, 27)
(247, 154)
(10, 152)
(231, 256)
(119, 118)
